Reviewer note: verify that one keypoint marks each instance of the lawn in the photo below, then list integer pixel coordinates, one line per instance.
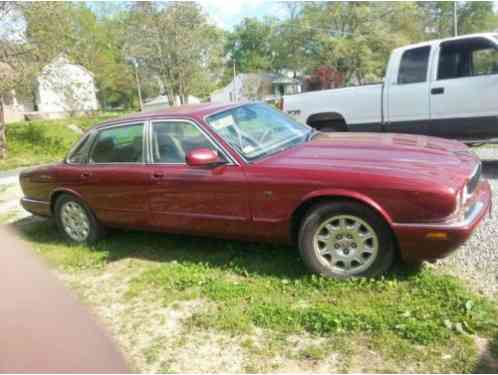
(44, 141)
(184, 304)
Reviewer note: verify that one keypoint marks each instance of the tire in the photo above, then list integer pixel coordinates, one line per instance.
(76, 221)
(353, 239)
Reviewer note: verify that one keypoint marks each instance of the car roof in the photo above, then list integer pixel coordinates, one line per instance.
(197, 111)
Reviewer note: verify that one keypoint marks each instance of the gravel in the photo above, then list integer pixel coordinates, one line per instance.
(477, 261)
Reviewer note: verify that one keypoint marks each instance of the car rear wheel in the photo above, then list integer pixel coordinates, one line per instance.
(346, 239)
(75, 220)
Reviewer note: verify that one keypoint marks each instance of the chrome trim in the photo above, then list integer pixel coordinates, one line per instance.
(34, 201)
(469, 217)
(218, 147)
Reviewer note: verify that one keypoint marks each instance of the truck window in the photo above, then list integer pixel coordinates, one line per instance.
(467, 58)
(413, 65)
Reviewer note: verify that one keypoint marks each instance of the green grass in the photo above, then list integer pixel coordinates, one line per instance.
(408, 314)
(44, 141)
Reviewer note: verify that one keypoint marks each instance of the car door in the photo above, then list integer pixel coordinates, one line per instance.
(464, 90)
(408, 93)
(199, 200)
(114, 181)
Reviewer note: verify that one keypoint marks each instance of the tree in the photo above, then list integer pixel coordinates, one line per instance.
(473, 16)
(174, 43)
(21, 58)
(250, 46)
(357, 38)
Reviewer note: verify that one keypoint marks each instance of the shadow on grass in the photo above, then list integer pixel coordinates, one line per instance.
(245, 257)
(488, 362)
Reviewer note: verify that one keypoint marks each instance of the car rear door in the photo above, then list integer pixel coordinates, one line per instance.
(464, 89)
(407, 91)
(115, 179)
(196, 200)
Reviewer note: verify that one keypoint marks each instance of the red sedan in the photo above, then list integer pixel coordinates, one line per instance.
(351, 202)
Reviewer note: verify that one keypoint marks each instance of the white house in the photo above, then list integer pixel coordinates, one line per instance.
(161, 102)
(64, 88)
(256, 86)
(61, 89)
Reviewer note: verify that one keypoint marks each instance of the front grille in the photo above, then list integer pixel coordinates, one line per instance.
(474, 180)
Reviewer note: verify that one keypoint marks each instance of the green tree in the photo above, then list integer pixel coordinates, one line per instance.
(21, 57)
(473, 16)
(357, 38)
(250, 46)
(176, 45)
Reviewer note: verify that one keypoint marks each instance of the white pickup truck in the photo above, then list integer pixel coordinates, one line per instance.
(446, 88)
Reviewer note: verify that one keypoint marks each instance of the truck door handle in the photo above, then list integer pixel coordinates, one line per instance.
(85, 175)
(437, 91)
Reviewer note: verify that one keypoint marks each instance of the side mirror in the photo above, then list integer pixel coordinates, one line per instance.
(201, 157)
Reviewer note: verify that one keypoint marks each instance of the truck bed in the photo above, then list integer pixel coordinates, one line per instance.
(357, 104)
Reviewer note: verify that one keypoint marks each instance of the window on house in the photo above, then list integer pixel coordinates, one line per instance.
(413, 65)
(467, 58)
(123, 144)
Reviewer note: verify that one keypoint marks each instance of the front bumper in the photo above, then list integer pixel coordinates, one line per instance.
(39, 208)
(419, 242)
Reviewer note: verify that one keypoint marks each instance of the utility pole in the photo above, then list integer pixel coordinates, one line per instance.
(139, 89)
(455, 19)
(234, 85)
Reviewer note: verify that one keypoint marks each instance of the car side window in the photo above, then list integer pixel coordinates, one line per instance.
(413, 66)
(80, 154)
(173, 140)
(467, 58)
(122, 144)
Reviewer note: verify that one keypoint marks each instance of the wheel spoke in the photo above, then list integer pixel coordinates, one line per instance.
(75, 221)
(346, 244)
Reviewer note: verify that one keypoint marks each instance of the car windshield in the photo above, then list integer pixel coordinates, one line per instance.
(257, 130)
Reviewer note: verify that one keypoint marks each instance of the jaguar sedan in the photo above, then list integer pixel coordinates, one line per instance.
(351, 202)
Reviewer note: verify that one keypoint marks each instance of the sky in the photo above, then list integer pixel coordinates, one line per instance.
(227, 13)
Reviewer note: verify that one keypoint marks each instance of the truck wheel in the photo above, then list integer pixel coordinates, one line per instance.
(346, 239)
(76, 221)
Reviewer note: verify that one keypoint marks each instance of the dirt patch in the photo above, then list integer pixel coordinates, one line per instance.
(488, 362)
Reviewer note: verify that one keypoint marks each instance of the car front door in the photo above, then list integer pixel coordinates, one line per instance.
(198, 200)
(115, 179)
(408, 93)
(464, 91)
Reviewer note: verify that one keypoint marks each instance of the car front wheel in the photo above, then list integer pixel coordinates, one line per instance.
(346, 239)
(75, 220)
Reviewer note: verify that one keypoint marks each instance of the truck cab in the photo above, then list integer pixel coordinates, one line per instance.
(446, 88)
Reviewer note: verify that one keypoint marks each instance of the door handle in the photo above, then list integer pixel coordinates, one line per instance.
(85, 175)
(437, 91)
(157, 175)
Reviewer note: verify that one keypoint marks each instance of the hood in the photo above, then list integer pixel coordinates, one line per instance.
(384, 153)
